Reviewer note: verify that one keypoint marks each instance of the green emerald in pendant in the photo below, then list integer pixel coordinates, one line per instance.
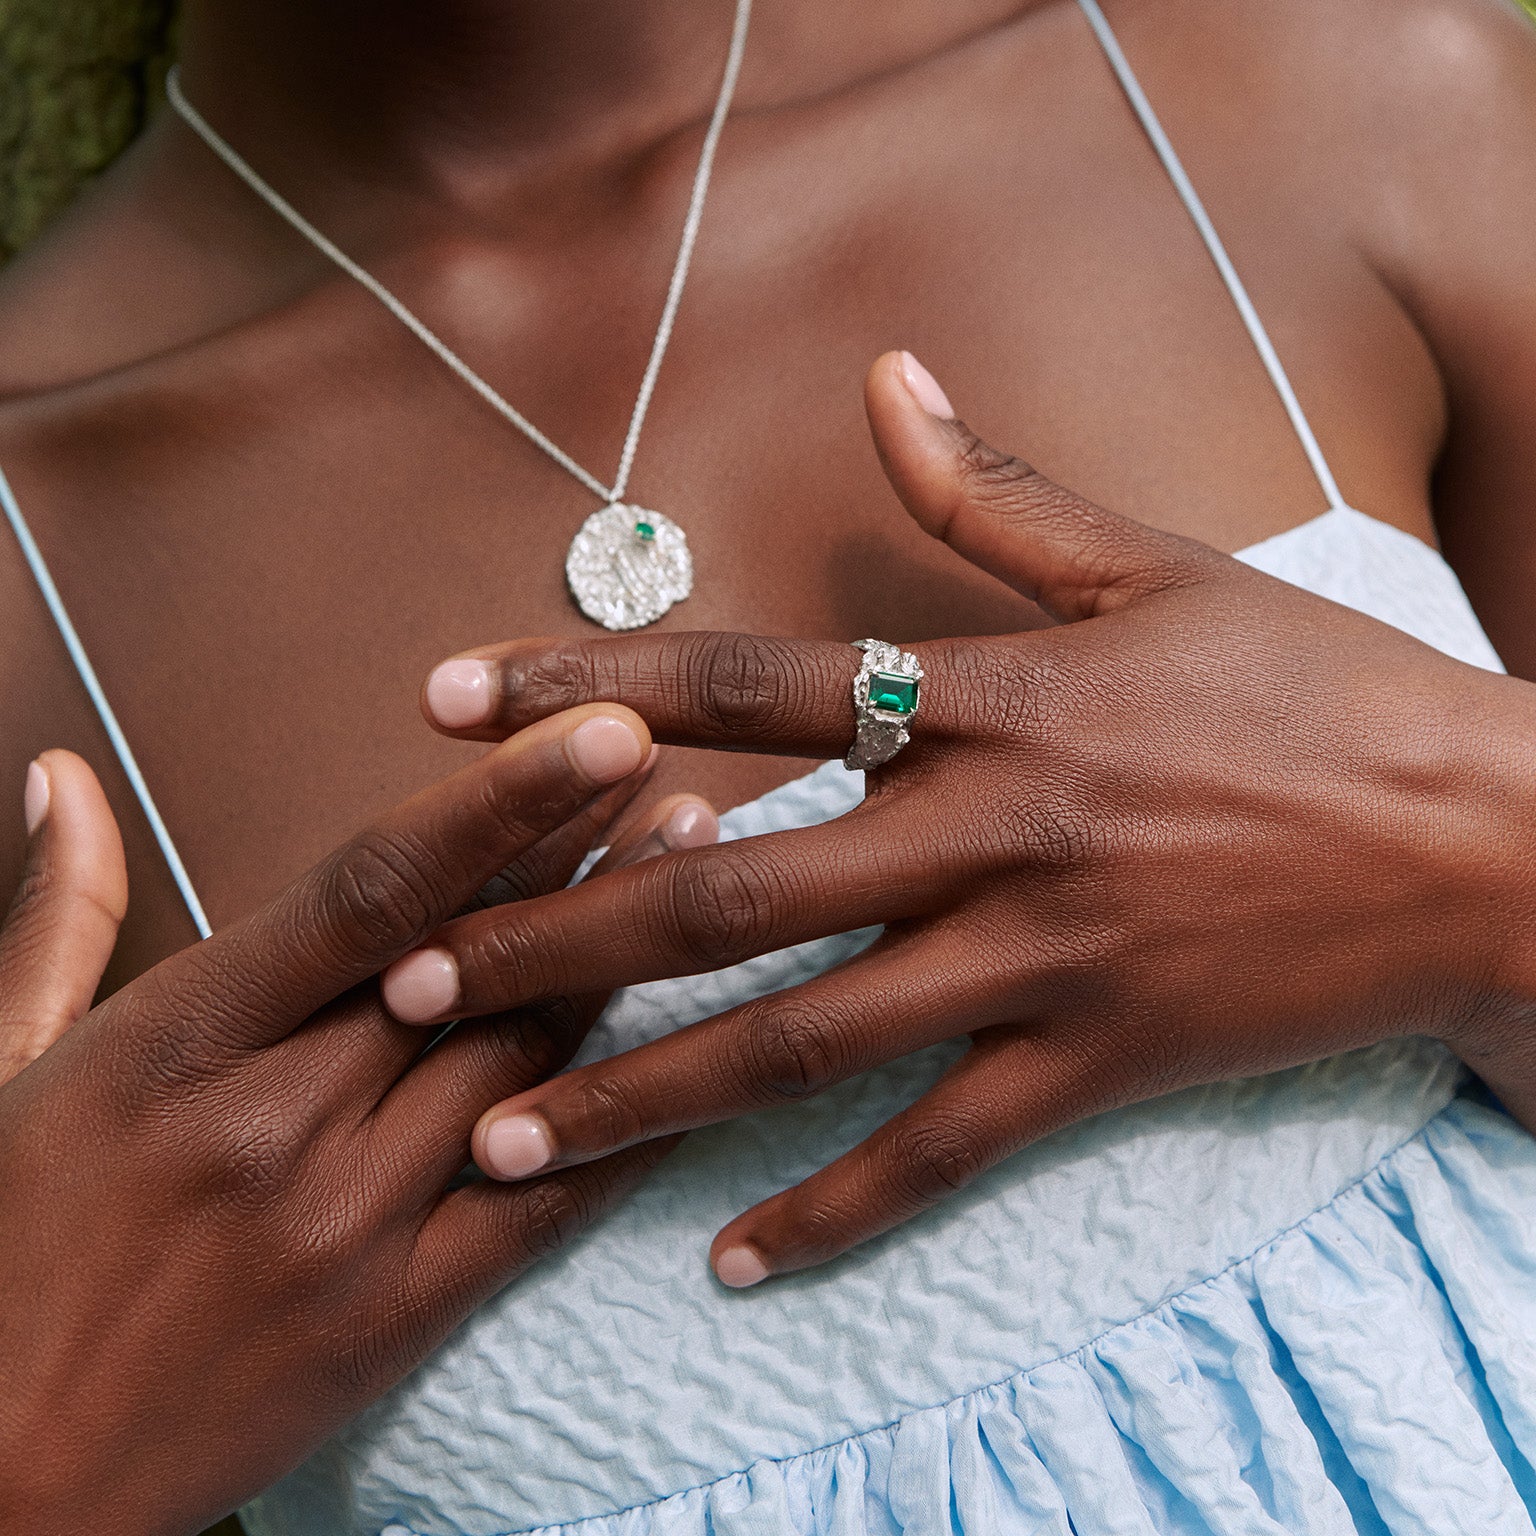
(645, 532)
(892, 692)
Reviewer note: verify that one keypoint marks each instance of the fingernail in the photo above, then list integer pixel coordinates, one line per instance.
(740, 1267)
(651, 756)
(459, 694)
(924, 388)
(693, 825)
(35, 798)
(515, 1147)
(421, 987)
(605, 749)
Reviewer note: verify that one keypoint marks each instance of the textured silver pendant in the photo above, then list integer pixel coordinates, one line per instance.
(627, 567)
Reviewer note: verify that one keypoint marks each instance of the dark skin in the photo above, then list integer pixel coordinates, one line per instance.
(172, 327)
(271, 512)
(275, 1154)
(1278, 841)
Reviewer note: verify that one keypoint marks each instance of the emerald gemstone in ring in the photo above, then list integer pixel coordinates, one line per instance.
(645, 532)
(885, 699)
(895, 694)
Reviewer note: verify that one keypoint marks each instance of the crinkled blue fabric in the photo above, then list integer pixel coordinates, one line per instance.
(1329, 1383)
(1304, 1303)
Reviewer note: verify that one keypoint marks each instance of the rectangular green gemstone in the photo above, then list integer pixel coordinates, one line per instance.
(892, 692)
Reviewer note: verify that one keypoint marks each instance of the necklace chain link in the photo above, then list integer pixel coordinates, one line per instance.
(612, 494)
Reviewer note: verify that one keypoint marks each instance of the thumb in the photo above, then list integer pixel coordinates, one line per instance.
(1075, 559)
(55, 944)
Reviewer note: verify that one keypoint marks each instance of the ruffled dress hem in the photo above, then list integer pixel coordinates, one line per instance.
(1370, 1370)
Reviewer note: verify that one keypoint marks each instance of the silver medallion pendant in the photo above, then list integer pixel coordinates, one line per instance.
(627, 566)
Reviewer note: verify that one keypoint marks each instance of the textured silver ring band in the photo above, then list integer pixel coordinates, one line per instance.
(885, 699)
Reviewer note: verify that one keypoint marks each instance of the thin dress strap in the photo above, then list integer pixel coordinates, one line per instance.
(1202, 221)
(98, 697)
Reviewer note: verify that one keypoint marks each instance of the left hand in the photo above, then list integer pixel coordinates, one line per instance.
(1209, 826)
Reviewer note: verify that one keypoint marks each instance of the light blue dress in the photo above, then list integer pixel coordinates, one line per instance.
(1302, 1305)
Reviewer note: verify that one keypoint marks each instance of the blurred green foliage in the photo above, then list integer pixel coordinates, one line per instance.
(77, 78)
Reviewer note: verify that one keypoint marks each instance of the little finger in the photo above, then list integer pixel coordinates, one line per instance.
(673, 824)
(1012, 1087)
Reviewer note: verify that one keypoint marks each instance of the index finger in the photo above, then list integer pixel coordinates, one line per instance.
(747, 692)
(401, 877)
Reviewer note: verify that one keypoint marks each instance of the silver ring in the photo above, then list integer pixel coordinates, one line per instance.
(885, 698)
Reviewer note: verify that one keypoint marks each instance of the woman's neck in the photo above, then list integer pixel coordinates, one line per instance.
(458, 125)
(465, 95)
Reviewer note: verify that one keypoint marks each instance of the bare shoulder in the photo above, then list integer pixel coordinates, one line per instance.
(1401, 131)
(1367, 99)
(1404, 132)
(1380, 50)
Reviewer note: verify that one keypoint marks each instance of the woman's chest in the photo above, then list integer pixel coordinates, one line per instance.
(267, 543)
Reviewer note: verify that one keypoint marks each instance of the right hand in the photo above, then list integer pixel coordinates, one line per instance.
(225, 1215)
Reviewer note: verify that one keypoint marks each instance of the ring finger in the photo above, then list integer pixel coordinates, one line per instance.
(774, 1050)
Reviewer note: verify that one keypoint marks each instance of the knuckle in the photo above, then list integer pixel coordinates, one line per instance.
(557, 679)
(936, 1159)
(1020, 692)
(381, 892)
(169, 1043)
(29, 890)
(251, 1163)
(994, 478)
(513, 1051)
(740, 682)
(718, 906)
(1135, 1059)
(520, 808)
(371, 1357)
(324, 1220)
(1051, 833)
(608, 1111)
(522, 880)
(552, 1213)
(1052, 820)
(542, 1035)
(793, 1050)
(503, 963)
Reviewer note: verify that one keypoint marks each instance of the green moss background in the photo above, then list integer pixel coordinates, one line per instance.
(77, 78)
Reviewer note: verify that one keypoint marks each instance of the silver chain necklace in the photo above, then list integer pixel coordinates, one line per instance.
(626, 566)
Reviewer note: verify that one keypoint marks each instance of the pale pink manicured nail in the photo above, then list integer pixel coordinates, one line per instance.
(515, 1147)
(35, 798)
(693, 825)
(924, 388)
(651, 756)
(740, 1267)
(459, 694)
(422, 986)
(605, 749)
